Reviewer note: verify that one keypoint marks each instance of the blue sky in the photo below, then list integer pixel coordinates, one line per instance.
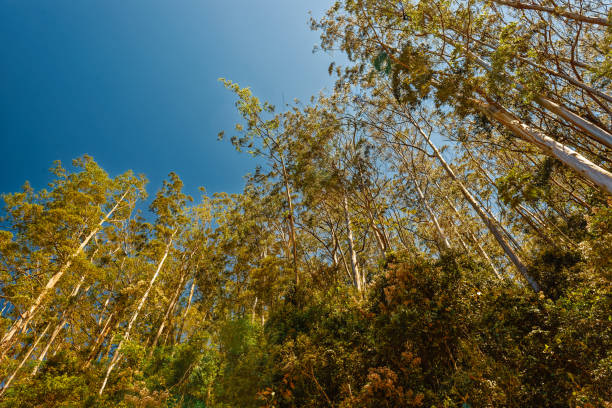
(134, 83)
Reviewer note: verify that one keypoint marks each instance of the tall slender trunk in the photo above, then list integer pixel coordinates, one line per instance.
(141, 303)
(24, 320)
(253, 310)
(574, 197)
(459, 237)
(291, 222)
(475, 240)
(378, 235)
(442, 239)
(4, 307)
(538, 225)
(58, 327)
(104, 307)
(590, 129)
(169, 310)
(335, 258)
(95, 349)
(43, 354)
(180, 330)
(349, 232)
(549, 146)
(337, 245)
(488, 221)
(25, 358)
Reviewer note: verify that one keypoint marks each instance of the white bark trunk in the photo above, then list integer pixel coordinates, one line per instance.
(353, 255)
(58, 328)
(141, 303)
(104, 309)
(476, 241)
(23, 321)
(549, 146)
(590, 129)
(99, 340)
(291, 222)
(191, 290)
(169, 310)
(594, 131)
(490, 223)
(25, 358)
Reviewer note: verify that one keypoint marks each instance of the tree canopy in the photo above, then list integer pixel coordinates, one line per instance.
(436, 231)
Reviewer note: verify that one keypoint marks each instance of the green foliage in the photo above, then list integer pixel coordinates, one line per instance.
(411, 76)
(431, 335)
(597, 249)
(519, 186)
(60, 383)
(382, 63)
(328, 282)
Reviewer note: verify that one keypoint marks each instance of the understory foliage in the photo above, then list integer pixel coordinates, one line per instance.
(428, 330)
(434, 232)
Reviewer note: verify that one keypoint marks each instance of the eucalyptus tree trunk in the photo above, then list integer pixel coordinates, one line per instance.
(459, 237)
(488, 221)
(380, 239)
(167, 319)
(24, 320)
(379, 232)
(475, 240)
(43, 354)
(25, 358)
(180, 330)
(549, 146)
(291, 221)
(169, 310)
(132, 320)
(108, 298)
(525, 214)
(536, 224)
(442, 238)
(58, 328)
(253, 309)
(590, 129)
(443, 243)
(337, 245)
(95, 349)
(353, 255)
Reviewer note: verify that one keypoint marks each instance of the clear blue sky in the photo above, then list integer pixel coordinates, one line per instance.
(134, 83)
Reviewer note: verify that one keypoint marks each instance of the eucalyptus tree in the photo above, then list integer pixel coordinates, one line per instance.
(431, 50)
(169, 208)
(264, 137)
(53, 230)
(343, 186)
